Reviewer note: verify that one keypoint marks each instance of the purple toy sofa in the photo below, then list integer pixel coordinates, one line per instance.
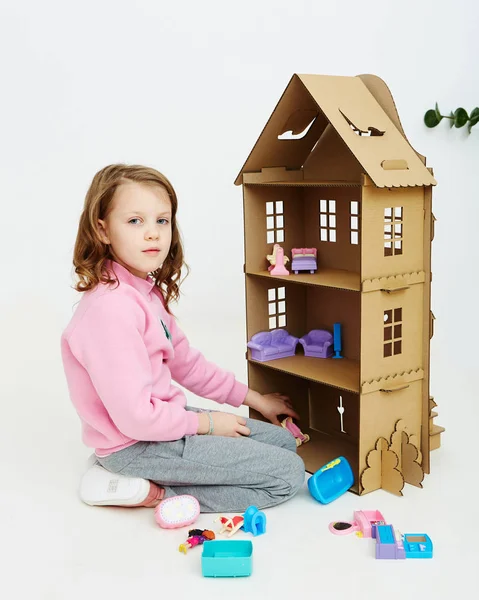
(268, 345)
(318, 343)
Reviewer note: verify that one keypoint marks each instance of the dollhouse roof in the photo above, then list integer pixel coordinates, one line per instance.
(359, 111)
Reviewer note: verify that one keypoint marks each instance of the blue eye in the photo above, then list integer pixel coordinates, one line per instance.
(163, 221)
(132, 220)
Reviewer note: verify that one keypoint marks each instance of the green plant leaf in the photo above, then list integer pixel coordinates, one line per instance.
(438, 114)
(430, 118)
(460, 117)
(474, 116)
(451, 119)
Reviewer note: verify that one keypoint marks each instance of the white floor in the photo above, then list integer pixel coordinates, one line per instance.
(53, 546)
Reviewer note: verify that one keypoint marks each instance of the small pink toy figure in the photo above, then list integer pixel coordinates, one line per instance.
(230, 524)
(301, 438)
(277, 260)
(196, 537)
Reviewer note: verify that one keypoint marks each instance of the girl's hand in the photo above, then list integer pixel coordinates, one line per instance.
(270, 405)
(224, 424)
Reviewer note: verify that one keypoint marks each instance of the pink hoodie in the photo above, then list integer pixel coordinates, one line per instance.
(121, 351)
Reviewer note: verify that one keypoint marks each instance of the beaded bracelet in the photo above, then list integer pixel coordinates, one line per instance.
(212, 425)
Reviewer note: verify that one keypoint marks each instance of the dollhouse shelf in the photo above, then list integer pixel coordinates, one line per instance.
(304, 183)
(340, 373)
(333, 278)
(323, 448)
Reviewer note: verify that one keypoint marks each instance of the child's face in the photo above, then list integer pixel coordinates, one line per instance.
(139, 220)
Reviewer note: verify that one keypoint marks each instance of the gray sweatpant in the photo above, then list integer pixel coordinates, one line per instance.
(225, 474)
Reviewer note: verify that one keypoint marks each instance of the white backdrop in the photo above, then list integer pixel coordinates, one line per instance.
(187, 87)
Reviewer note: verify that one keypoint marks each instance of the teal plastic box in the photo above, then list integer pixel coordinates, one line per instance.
(227, 558)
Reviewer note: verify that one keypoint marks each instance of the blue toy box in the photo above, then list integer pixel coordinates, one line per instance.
(227, 558)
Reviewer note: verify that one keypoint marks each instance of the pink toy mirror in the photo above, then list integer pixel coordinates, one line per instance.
(342, 527)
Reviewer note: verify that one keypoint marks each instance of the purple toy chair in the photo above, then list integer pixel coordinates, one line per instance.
(268, 345)
(317, 343)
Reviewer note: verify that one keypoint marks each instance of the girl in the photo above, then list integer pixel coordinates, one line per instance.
(123, 348)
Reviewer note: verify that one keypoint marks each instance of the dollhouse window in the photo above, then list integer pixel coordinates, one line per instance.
(392, 332)
(393, 231)
(274, 222)
(277, 307)
(327, 220)
(354, 221)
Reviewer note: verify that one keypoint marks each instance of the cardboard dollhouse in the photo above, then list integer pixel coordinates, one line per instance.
(333, 170)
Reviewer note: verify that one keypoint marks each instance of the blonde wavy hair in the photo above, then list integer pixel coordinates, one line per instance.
(90, 253)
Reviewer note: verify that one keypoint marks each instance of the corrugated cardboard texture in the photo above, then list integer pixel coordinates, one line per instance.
(380, 411)
(307, 308)
(428, 324)
(341, 254)
(410, 468)
(373, 261)
(383, 96)
(331, 159)
(351, 186)
(269, 151)
(351, 109)
(325, 415)
(382, 471)
(317, 406)
(404, 313)
(300, 214)
(414, 439)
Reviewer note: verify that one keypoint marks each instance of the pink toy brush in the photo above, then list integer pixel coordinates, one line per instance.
(177, 511)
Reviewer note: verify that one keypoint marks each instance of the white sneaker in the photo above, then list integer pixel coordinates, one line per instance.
(99, 487)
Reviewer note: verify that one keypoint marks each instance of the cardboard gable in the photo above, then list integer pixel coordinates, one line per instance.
(314, 106)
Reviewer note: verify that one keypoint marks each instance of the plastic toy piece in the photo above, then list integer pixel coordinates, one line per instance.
(231, 524)
(301, 438)
(196, 537)
(368, 521)
(254, 521)
(269, 345)
(317, 343)
(390, 544)
(304, 259)
(342, 527)
(177, 511)
(417, 545)
(278, 261)
(331, 481)
(227, 558)
(387, 545)
(364, 521)
(337, 340)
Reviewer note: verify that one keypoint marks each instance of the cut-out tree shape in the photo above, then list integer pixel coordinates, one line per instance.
(398, 443)
(411, 469)
(382, 471)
